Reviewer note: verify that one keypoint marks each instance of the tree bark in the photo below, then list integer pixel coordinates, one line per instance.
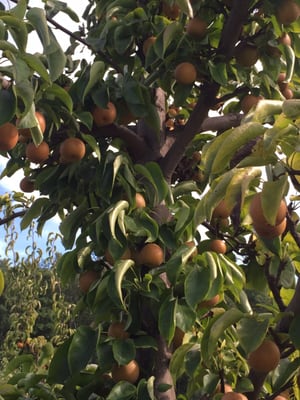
(162, 372)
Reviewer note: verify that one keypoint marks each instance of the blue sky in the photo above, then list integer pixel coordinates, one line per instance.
(7, 185)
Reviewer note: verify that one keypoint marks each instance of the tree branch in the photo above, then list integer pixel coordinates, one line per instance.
(162, 372)
(233, 28)
(135, 144)
(198, 115)
(229, 37)
(12, 216)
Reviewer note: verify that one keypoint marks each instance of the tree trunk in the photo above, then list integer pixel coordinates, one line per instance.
(162, 372)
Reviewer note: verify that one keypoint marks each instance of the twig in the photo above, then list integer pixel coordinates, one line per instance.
(12, 216)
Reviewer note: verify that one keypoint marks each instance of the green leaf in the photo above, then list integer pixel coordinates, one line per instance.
(183, 216)
(123, 350)
(177, 261)
(1, 282)
(55, 55)
(59, 367)
(122, 39)
(167, 318)
(152, 119)
(233, 142)
(34, 211)
(251, 331)
(96, 74)
(6, 46)
(294, 331)
(20, 9)
(185, 317)
(60, 6)
(143, 225)
(272, 194)
(7, 105)
(177, 364)
(56, 93)
(152, 172)
(121, 267)
(291, 108)
(290, 62)
(23, 88)
(56, 58)
(71, 224)
(236, 271)
(46, 354)
(218, 72)
(36, 16)
(9, 392)
(264, 109)
(34, 62)
(30, 121)
(81, 349)
(122, 391)
(197, 285)
(18, 30)
(216, 329)
(114, 214)
(286, 371)
(19, 361)
(67, 266)
(170, 32)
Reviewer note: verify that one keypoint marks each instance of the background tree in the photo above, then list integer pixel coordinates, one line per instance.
(179, 224)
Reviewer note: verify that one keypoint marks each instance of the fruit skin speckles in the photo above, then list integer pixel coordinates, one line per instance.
(265, 358)
(71, 150)
(151, 255)
(104, 116)
(185, 73)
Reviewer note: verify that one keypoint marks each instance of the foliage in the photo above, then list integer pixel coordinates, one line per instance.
(184, 147)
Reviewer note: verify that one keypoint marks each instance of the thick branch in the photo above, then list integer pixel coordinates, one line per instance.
(162, 371)
(257, 379)
(134, 143)
(174, 155)
(222, 123)
(233, 27)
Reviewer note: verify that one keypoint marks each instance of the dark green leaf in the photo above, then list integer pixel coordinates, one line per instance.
(70, 225)
(81, 348)
(218, 72)
(17, 29)
(197, 285)
(59, 368)
(34, 211)
(96, 74)
(167, 318)
(251, 331)
(34, 62)
(294, 331)
(9, 392)
(7, 105)
(67, 266)
(123, 351)
(122, 391)
(216, 329)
